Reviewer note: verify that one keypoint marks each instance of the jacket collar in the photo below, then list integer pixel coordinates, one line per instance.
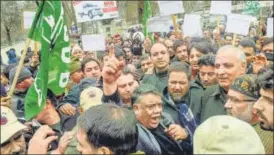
(220, 92)
(198, 82)
(160, 74)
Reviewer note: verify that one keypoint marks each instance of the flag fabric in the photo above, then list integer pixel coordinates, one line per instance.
(146, 16)
(251, 8)
(49, 29)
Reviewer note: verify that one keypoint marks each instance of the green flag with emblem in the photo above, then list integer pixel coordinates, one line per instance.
(49, 29)
(251, 8)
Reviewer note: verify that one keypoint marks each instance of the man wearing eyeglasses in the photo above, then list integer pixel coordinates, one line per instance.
(12, 138)
(242, 95)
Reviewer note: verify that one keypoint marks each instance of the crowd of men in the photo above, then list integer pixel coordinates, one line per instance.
(177, 95)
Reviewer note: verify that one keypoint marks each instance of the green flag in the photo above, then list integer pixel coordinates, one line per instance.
(251, 8)
(146, 16)
(50, 30)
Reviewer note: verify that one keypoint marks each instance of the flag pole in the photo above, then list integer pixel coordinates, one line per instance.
(18, 70)
(35, 48)
(175, 25)
(234, 39)
(218, 22)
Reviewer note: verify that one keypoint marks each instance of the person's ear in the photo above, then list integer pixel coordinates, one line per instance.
(104, 150)
(136, 109)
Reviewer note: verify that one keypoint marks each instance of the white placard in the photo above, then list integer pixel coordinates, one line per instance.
(95, 10)
(192, 26)
(238, 24)
(28, 19)
(269, 27)
(170, 7)
(93, 42)
(159, 24)
(221, 7)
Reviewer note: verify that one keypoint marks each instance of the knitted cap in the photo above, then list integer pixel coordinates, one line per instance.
(246, 85)
(75, 65)
(226, 135)
(25, 73)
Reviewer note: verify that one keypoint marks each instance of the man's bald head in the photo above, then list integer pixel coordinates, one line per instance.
(234, 51)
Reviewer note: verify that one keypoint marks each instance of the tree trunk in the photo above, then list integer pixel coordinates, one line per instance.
(8, 35)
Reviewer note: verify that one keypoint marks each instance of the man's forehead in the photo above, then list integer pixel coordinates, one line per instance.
(158, 47)
(180, 76)
(267, 93)
(207, 68)
(268, 46)
(124, 79)
(156, 98)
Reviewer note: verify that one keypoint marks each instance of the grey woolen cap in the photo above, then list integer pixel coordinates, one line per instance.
(25, 73)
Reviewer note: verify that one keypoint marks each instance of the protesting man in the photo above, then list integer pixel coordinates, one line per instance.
(147, 106)
(176, 99)
(23, 83)
(264, 106)
(230, 63)
(118, 84)
(180, 49)
(107, 129)
(169, 45)
(146, 63)
(204, 79)
(12, 133)
(160, 59)
(91, 70)
(242, 95)
(249, 48)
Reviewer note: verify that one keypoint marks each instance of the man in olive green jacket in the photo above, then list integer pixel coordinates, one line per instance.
(160, 59)
(204, 79)
(230, 63)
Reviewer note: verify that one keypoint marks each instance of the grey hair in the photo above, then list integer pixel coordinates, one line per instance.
(238, 51)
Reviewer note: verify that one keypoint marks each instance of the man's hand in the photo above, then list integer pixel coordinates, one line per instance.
(63, 143)
(6, 101)
(260, 61)
(112, 69)
(68, 109)
(176, 132)
(40, 141)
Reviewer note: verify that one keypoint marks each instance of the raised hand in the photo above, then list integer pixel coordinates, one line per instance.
(112, 69)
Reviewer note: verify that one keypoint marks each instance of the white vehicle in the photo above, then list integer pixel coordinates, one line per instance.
(92, 11)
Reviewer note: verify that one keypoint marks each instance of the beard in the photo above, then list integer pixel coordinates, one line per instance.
(177, 97)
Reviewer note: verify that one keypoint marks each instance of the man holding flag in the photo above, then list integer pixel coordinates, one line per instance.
(50, 30)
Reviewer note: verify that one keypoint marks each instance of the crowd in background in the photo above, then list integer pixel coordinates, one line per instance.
(160, 95)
